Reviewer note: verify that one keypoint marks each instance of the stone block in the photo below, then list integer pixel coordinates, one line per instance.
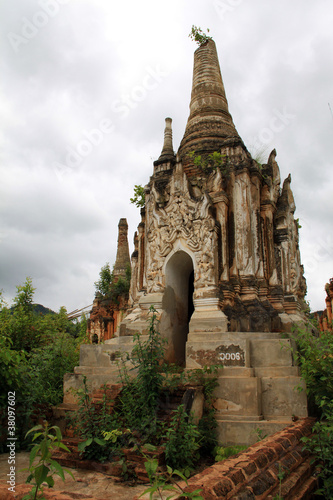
(270, 352)
(277, 371)
(236, 371)
(72, 383)
(208, 317)
(280, 397)
(95, 355)
(238, 396)
(231, 353)
(233, 432)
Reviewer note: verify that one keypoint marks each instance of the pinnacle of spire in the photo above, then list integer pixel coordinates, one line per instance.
(123, 257)
(210, 124)
(167, 153)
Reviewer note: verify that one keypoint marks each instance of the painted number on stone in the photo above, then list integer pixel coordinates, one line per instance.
(230, 356)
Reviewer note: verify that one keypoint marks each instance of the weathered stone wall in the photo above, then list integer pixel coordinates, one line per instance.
(325, 319)
(105, 317)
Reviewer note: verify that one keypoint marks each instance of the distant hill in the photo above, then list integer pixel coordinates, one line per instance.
(38, 309)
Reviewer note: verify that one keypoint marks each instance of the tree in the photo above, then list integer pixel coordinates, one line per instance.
(139, 196)
(19, 322)
(36, 350)
(105, 279)
(109, 287)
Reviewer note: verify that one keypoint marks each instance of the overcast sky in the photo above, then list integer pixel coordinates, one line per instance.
(86, 86)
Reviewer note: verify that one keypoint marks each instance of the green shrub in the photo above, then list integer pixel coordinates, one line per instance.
(134, 421)
(315, 357)
(89, 423)
(182, 441)
(36, 350)
(110, 288)
(47, 367)
(224, 452)
(141, 394)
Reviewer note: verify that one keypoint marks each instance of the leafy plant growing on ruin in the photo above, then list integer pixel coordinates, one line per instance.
(210, 162)
(109, 287)
(102, 286)
(140, 394)
(166, 482)
(224, 452)
(182, 441)
(45, 468)
(198, 36)
(135, 421)
(139, 196)
(281, 475)
(88, 423)
(314, 355)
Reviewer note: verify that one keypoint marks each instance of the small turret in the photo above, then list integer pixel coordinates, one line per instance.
(123, 257)
(167, 153)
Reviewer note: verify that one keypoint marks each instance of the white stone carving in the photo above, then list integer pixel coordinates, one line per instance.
(183, 218)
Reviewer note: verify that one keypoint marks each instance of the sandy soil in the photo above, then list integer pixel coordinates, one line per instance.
(86, 482)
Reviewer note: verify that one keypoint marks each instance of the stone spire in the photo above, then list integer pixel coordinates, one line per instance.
(167, 153)
(210, 124)
(123, 257)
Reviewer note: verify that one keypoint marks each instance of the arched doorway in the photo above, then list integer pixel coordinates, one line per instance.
(178, 303)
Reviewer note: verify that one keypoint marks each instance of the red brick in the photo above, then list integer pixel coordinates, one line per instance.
(222, 487)
(236, 476)
(264, 483)
(261, 460)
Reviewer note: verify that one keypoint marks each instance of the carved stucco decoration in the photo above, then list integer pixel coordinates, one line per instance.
(292, 271)
(186, 219)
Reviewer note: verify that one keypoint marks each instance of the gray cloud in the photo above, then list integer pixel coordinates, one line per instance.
(131, 64)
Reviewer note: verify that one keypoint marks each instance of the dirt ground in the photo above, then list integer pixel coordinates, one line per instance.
(86, 482)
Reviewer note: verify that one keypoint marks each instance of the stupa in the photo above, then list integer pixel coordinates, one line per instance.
(217, 255)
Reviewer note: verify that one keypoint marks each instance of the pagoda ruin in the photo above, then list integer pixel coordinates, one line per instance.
(217, 255)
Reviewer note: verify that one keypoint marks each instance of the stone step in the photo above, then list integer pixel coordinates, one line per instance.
(235, 372)
(270, 353)
(231, 433)
(231, 336)
(96, 370)
(277, 371)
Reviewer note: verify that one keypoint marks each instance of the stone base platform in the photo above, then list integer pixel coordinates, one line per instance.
(260, 390)
(259, 383)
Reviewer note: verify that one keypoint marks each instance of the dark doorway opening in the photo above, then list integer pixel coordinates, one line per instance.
(190, 308)
(179, 303)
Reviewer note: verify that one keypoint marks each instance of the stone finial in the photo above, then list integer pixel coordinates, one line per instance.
(123, 257)
(167, 153)
(210, 123)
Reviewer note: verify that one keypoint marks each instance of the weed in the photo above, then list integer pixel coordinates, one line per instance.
(314, 354)
(45, 468)
(224, 452)
(211, 162)
(260, 434)
(161, 483)
(182, 441)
